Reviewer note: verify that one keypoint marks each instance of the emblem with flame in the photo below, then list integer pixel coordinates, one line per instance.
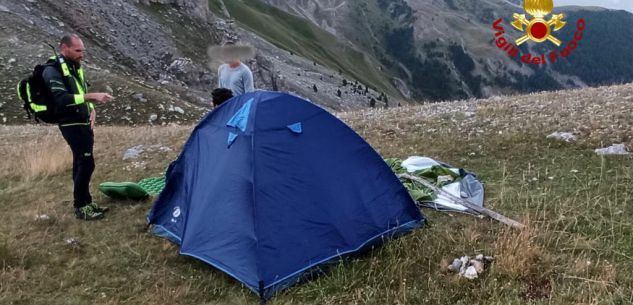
(538, 29)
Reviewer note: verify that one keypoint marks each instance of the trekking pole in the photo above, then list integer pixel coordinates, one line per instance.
(484, 211)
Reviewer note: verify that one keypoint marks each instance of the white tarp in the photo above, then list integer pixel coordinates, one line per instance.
(468, 187)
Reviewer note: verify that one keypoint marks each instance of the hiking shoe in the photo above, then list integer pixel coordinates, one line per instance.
(98, 209)
(88, 213)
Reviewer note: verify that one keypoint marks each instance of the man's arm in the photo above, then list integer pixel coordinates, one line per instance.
(55, 82)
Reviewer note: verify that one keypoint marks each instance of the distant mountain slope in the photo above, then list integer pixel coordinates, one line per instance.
(445, 49)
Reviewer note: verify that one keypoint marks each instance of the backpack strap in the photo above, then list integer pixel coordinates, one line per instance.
(27, 103)
(79, 79)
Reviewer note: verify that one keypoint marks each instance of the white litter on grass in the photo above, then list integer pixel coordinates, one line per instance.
(562, 136)
(615, 149)
(42, 217)
(72, 241)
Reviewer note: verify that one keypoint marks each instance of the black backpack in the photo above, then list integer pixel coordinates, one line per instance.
(37, 98)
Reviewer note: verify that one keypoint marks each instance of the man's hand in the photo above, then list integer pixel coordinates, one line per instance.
(93, 118)
(98, 97)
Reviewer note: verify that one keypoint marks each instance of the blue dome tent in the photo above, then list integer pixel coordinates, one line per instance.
(270, 186)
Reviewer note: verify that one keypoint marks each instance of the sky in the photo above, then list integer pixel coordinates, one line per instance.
(614, 4)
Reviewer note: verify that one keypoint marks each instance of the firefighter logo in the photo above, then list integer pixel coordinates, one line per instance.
(538, 29)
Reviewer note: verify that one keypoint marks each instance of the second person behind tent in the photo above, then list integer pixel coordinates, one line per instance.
(234, 74)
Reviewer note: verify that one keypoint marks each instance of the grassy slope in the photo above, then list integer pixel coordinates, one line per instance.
(295, 34)
(577, 249)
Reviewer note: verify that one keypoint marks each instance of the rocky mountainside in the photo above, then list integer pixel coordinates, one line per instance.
(152, 56)
(445, 49)
(342, 54)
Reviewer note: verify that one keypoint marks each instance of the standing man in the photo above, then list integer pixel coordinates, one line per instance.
(76, 115)
(233, 74)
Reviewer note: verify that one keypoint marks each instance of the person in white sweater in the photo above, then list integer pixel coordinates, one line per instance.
(233, 74)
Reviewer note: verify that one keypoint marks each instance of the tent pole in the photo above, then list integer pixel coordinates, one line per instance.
(481, 210)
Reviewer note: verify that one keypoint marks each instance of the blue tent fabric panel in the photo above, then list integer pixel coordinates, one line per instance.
(305, 183)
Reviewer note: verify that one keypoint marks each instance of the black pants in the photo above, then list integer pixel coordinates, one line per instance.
(80, 138)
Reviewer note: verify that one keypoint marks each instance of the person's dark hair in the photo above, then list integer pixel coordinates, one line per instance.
(221, 95)
(67, 40)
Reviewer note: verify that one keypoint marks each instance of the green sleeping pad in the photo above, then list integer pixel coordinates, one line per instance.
(153, 185)
(123, 190)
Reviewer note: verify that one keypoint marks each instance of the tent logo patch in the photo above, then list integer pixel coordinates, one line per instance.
(538, 28)
(176, 213)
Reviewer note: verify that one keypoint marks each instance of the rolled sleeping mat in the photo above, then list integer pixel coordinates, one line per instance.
(123, 190)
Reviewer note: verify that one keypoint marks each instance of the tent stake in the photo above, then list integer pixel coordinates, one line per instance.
(484, 211)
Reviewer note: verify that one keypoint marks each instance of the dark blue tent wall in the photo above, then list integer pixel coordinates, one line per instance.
(283, 189)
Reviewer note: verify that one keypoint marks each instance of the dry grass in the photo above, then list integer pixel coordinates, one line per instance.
(517, 252)
(35, 157)
(576, 250)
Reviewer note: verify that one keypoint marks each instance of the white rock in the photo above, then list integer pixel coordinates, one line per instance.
(615, 149)
(133, 153)
(139, 97)
(479, 265)
(179, 110)
(455, 266)
(11, 60)
(72, 241)
(562, 136)
(464, 260)
(153, 117)
(471, 273)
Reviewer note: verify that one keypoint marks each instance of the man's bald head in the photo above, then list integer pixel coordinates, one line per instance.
(72, 48)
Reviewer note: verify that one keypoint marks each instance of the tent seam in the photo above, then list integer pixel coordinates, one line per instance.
(253, 162)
